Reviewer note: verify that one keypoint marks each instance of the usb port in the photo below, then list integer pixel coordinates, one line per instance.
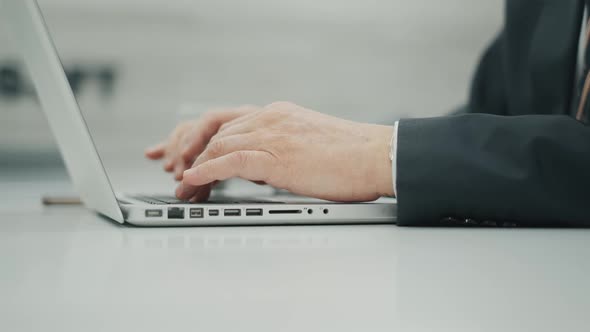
(153, 213)
(175, 213)
(213, 212)
(196, 213)
(232, 212)
(253, 212)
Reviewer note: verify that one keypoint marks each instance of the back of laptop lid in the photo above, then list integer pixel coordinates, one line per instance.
(29, 31)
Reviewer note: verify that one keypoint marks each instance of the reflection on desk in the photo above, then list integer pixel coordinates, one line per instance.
(67, 269)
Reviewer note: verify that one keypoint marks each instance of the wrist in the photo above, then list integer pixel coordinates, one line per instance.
(382, 177)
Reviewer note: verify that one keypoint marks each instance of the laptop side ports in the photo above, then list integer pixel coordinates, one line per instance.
(284, 212)
(175, 213)
(153, 213)
(253, 212)
(196, 213)
(232, 212)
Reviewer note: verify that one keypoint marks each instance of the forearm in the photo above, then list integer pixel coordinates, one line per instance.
(529, 169)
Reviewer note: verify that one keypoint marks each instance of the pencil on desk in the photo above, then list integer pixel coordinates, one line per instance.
(61, 200)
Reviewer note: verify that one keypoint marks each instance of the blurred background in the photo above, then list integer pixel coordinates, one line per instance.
(140, 66)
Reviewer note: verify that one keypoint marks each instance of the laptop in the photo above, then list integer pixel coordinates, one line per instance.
(90, 179)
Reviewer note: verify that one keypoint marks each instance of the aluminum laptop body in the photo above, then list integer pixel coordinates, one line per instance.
(90, 179)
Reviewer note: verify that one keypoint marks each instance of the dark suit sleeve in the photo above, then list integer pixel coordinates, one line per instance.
(530, 170)
(515, 156)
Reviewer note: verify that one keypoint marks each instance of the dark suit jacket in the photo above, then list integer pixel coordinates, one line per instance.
(518, 155)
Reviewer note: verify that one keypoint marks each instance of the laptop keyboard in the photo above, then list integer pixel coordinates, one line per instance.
(158, 200)
(165, 200)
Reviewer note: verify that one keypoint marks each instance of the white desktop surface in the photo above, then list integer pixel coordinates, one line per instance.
(67, 269)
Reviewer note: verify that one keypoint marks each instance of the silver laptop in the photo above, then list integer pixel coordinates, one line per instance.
(92, 183)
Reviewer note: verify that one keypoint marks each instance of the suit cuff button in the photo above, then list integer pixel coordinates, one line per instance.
(470, 222)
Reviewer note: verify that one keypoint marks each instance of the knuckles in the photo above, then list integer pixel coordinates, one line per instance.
(281, 108)
(270, 135)
(277, 112)
(240, 158)
(223, 127)
(216, 148)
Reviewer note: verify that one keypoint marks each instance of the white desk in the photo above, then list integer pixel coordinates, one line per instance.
(66, 269)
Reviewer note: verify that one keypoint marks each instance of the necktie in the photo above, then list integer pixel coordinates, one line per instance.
(582, 111)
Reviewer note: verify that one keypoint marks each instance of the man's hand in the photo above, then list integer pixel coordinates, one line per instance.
(283, 145)
(190, 138)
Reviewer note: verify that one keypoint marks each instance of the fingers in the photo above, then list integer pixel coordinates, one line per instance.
(171, 154)
(217, 149)
(194, 194)
(192, 143)
(237, 129)
(249, 165)
(249, 122)
(255, 113)
(190, 139)
(202, 194)
(169, 166)
(222, 146)
(156, 152)
(179, 168)
(195, 142)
